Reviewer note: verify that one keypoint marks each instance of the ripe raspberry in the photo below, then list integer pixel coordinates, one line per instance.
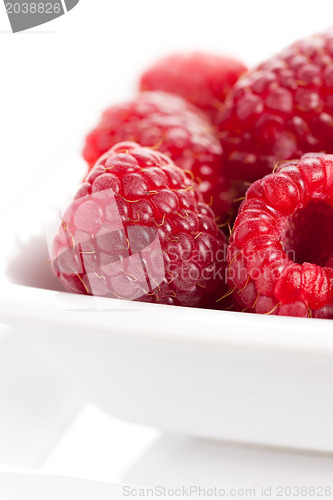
(280, 110)
(281, 252)
(168, 124)
(138, 229)
(202, 79)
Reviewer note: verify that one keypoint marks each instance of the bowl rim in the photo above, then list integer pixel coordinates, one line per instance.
(49, 309)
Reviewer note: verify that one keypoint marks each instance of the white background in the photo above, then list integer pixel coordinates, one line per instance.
(54, 82)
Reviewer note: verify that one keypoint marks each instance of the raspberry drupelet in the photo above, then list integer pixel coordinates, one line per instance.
(172, 126)
(138, 229)
(280, 254)
(280, 110)
(202, 79)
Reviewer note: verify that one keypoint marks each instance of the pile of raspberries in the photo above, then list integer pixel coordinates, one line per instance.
(212, 187)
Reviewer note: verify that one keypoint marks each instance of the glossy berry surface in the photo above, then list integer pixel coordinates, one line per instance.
(138, 229)
(172, 126)
(202, 79)
(280, 255)
(280, 110)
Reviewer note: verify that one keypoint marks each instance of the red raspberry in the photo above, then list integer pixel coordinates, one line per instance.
(202, 79)
(138, 229)
(280, 110)
(168, 124)
(280, 254)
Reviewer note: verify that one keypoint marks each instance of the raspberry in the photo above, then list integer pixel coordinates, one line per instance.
(280, 110)
(202, 79)
(138, 229)
(174, 127)
(280, 254)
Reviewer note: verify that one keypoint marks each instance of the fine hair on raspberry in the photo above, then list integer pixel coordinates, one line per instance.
(171, 125)
(280, 110)
(138, 229)
(280, 254)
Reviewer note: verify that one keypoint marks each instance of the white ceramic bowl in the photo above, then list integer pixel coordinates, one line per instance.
(221, 375)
